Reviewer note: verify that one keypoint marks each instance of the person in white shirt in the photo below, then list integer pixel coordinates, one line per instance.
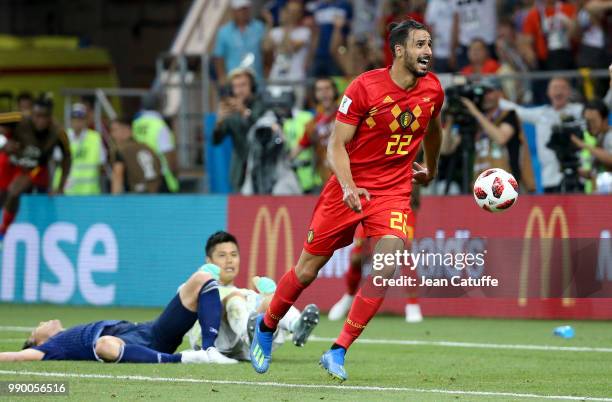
(289, 44)
(544, 118)
(473, 19)
(438, 17)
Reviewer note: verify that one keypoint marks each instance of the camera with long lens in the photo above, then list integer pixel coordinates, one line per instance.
(560, 141)
(455, 108)
(566, 152)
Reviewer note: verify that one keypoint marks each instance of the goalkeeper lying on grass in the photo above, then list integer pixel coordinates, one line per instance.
(241, 306)
(126, 342)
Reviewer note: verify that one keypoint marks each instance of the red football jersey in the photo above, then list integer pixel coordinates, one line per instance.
(391, 123)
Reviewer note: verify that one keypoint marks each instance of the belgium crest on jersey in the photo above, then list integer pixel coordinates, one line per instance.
(405, 119)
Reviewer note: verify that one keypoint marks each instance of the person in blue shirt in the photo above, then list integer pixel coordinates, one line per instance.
(126, 342)
(238, 42)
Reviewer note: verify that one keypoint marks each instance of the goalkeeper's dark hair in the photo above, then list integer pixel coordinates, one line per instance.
(218, 238)
(399, 32)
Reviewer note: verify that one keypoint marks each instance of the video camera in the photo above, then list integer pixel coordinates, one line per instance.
(560, 141)
(472, 91)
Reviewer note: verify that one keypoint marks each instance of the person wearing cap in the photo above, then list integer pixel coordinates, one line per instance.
(497, 140)
(88, 156)
(30, 149)
(151, 129)
(239, 42)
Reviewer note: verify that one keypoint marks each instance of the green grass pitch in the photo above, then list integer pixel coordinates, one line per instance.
(465, 370)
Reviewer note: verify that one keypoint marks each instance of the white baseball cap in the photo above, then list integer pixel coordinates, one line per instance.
(240, 4)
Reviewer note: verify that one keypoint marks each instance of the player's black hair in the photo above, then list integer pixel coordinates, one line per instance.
(399, 32)
(218, 238)
(599, 106)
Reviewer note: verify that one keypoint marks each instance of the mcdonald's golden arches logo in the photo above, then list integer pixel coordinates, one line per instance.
(547, 232)
(270, 228)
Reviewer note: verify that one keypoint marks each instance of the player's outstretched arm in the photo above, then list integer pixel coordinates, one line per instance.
(22, 356)
(341, 166)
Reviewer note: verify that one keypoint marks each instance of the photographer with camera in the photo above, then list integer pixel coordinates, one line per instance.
(497, 141)
(494, 136)
(545, 118)
(596, 148)
(239, 109)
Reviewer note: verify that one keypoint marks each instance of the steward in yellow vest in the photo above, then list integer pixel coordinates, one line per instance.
(88, 157)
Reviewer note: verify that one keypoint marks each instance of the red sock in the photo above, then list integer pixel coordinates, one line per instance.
(287, 292)
(7, 219)
(362, 311)
(353, 277)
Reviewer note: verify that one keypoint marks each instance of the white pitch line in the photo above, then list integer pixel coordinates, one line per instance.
(314, 338)
(308, 386)
(4, 328)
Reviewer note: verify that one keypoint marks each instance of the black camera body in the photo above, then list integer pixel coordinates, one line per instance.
(560, 141)
(472, 91)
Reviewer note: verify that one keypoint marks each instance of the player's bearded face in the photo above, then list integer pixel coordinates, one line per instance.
(418, 55)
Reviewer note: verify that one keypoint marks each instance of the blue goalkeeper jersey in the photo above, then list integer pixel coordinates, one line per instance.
(76, 343)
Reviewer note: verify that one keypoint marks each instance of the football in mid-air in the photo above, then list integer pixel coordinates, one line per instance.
(495, 190)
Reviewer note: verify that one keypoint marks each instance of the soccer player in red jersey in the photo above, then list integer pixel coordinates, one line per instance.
(381, 121)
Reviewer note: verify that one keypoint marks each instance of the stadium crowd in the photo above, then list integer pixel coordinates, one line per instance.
(281, 68)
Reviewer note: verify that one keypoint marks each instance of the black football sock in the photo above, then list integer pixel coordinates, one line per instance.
(264, 328)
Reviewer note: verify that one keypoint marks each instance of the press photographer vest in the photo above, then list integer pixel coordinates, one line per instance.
(490, 154)
(146, 130)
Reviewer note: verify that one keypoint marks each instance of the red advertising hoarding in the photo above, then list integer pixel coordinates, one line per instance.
(541, 250)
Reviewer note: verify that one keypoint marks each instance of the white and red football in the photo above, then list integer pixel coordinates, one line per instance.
(495, 190)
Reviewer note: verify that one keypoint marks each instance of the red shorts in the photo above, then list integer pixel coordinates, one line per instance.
(8, 173)
(333, 224)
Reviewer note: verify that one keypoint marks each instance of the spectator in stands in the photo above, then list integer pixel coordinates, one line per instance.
(325, 13)
(136, 167)
(289, 44)
(592, 51)
(366, 14)
(471, 20)
(238, 110)
(439, 17)
(549, 26)
(596, 148)
(480, 61)
(88, 156)
(511, 61)
(25, 103)
(150, 128)
(238, 42)
(352, 54)
(608, 98)
(318, 131)
(544, 118)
